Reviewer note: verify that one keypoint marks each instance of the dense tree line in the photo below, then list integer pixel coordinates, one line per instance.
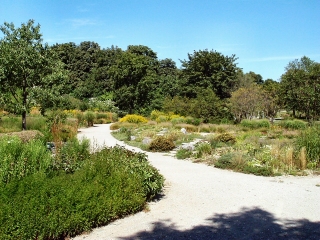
(211, 84)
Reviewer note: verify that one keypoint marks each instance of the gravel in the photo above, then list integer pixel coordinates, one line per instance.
(203, 202)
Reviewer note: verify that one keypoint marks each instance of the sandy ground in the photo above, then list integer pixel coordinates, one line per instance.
(202, 202)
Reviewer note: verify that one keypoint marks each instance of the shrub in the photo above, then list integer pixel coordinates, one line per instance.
(183, 153)
(202, 148)
(188, 127)
(89, 117)
(293, 124)
(178, 120)
(71, 155)
(133, 118)
(155, 114)
(161, 144)
(25, 136)
(112, 183)
(114, 126)
(310, 140)
(193, 121)
(20, 159)
(162, 118)
(225, 138)
(240, 162)
(225, 161)
(254, 124)
(258, 170)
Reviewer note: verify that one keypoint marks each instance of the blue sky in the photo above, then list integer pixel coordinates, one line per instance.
(264, 34)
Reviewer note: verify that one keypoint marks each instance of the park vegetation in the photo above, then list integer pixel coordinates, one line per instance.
(52, 186)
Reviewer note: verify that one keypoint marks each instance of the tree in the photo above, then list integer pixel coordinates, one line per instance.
(134, 77)
(25, 64)
(246, 102)
(271, 95)
(207, 106)
(245, 80)
(300, 86)
(210, 69)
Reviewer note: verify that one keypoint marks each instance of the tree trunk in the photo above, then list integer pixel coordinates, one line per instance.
(24, 120)
(24, 105)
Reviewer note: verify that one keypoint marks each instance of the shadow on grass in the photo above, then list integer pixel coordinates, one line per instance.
(247, 224)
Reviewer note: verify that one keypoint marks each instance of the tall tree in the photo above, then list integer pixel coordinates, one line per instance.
(25, 64)
(210, 69)
(300, 86)
(134, 78)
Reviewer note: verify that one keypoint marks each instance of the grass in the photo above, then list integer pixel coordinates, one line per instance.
(53, 203)
(257, 147)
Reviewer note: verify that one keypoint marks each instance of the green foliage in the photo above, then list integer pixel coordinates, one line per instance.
(225, 138)
(300, 87)
(133, 118)
(10, 124)
(161, 144)
(89, 117)
(209, 70)
(183, 153)
(310, 139)
(27, 66)
(254, 124)
(202, 149)
(25, 136)
(293, 124)
(241, 163)
(71, 155)
(20, 159)
(111, 183)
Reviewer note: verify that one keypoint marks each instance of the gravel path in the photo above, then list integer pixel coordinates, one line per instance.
(202, 202)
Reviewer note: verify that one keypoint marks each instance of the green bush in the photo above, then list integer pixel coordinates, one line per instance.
(310, 139)
(258, 170)
(161, 144)
(225, 138)
(202, 148)
(183, 153)
(71, 156)
(240, 162)
(293, 124)
(20, 159)
(193, 121)
(89, 117)
(254, 124)
(112, 183)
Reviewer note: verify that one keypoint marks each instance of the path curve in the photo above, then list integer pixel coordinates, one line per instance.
(202, 202)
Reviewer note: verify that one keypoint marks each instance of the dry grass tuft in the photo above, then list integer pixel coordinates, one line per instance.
(25, 136)
(303, 158)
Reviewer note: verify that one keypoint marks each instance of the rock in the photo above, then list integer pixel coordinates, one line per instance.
(187, 146)
(183, 130)
(146, 140)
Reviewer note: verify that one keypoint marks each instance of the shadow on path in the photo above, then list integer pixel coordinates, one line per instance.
(247, 224)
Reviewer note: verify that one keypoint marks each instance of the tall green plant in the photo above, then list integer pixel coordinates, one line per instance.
(20, 159)
(310, 139)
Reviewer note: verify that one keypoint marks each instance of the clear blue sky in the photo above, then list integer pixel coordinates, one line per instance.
(264, 34)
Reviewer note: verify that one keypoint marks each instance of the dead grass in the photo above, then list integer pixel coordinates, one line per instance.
(25, 136)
